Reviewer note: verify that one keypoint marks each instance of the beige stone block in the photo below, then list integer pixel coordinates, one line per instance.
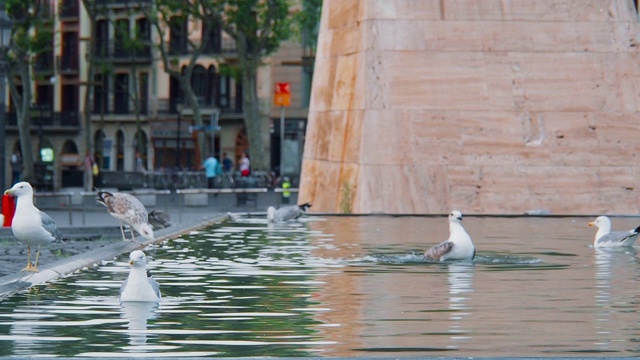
(427, 80)
(376, 81)
(383, 35)
(384, 135)
(535, 10)
(323, 82)
(561, 82)
(346, 40)
(345, 136)
(402, 9)
(343, 13)
(348, 88)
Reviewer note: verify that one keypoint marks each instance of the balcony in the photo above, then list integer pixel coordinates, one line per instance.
(170, 106)
(224, 47)
(43, 64)
(69, 9)
(48, 119)
(110, 51)
(68, 64)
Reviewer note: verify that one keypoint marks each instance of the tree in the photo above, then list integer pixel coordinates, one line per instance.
(182, 17)
(30, 36)
(258, 27)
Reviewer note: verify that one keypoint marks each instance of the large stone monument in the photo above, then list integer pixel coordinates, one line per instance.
(424, 106)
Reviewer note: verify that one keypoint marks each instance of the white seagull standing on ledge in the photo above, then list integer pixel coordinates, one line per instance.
(606, 238)
(139, 285)
(30, 225)
(129, 210)
(459, 246)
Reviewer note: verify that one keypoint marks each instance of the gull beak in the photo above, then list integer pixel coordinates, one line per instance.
(130, 262)
(8, 192)
(593, 223)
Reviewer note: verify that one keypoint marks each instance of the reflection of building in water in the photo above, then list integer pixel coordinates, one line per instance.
(460, 289)
(340, 294)
(138, 313)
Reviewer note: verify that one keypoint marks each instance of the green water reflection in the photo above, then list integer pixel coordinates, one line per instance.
(233, 290)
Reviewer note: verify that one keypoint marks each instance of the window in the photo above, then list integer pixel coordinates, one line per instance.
(100, 94)
(121, 94)
(178, 35)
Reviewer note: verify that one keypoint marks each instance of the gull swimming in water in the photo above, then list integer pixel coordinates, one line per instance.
(129, 210)
(139, 285)
(459, 246)
(286, 213)
(605, 238)
(30, 225)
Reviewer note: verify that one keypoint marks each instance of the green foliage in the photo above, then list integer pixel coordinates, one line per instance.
(262, 25)
(32, 33)
(307, 22)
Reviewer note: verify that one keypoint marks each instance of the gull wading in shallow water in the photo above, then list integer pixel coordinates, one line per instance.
(459, 246)
(139, 285)
(30, 225)
(605, 238)
(286, 213)
(129, 210)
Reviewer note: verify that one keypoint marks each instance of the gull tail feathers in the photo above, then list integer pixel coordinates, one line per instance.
(304, 206)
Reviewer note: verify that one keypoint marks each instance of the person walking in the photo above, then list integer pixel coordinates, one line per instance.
(245, 165)
(212, 169)
(227, 164)
(89, 162)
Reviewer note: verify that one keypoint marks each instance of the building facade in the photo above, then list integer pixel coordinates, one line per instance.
(138, 108)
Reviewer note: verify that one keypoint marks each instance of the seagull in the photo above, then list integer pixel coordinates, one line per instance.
(30, 225)
(286, 213)
(139, 286)
(129, 210)
(606, 238)
(459, 246)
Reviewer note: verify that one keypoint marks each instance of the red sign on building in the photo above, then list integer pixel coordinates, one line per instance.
(282, 95)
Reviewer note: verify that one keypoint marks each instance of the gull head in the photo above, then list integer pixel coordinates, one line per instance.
(145, 230)
(601, 222)
(455, 217)
(271, 213)
(137, 259)
(20, 189)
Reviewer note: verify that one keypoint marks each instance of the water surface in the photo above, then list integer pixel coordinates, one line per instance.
(347, 286)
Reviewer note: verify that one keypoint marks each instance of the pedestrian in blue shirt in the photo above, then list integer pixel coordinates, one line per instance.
(211, 169)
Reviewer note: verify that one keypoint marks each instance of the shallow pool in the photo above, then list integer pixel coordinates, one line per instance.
(347, 286)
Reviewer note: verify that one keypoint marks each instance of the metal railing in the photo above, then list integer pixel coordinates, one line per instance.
(66, 194)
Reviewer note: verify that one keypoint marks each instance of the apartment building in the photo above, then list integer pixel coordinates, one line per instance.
(137, 107)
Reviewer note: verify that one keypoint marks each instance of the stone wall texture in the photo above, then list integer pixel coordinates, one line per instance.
(488, 107)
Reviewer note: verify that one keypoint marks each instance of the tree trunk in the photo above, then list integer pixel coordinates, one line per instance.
(253, 118)
(192, 101)
(22, 102)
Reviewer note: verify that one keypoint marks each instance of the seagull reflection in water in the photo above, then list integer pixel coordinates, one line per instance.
(138, 313)
(460, 289)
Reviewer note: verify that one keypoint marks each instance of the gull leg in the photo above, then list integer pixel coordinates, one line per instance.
(133, 236)
(29, 267)
(122, 231)
(35, 265)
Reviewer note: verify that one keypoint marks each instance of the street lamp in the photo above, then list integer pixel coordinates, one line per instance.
(178, 146)
(5, 38)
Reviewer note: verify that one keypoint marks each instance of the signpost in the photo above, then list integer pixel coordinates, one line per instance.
(282, 98)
